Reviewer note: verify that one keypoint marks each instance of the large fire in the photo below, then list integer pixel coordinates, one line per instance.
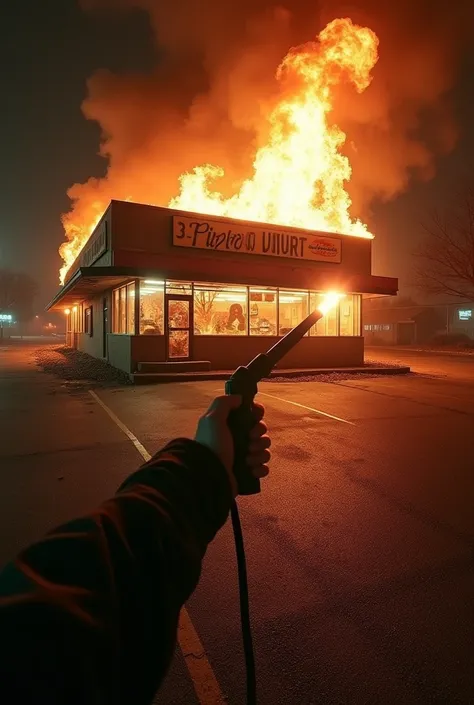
(300, 174)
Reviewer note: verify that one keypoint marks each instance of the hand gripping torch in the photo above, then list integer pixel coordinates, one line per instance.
(244, 382)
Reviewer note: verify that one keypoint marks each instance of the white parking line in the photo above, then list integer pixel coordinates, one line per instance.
(205, 683)
(308, 408)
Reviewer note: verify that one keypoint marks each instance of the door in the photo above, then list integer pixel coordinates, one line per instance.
(179, 326)
(105, 317)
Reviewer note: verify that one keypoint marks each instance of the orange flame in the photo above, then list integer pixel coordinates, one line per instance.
(300, 173)
(77, 235)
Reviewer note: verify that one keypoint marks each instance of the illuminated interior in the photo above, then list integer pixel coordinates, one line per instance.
(231, 309)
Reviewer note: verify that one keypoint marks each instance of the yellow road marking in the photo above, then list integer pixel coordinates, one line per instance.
(203, 677)
(308, 408)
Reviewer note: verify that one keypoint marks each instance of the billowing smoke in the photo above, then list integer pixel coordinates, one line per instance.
(214, 81)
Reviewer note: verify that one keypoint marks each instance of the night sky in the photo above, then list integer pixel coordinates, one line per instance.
(49, 50)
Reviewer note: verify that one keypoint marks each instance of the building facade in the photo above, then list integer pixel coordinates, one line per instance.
(155, 285)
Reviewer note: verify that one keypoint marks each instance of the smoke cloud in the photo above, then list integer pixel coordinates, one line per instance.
(214, 81)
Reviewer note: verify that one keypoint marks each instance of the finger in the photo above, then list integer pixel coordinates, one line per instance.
(258, 430)
(221, 406)
(260, 444)
(260, 471)
(258, 411)
(256, 459)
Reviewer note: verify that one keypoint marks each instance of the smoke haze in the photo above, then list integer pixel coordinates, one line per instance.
(214, 82)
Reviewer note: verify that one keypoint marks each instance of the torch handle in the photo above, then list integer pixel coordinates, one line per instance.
(241, 421)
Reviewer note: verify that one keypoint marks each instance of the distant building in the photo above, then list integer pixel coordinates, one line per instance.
(461, 319)
(406, 325)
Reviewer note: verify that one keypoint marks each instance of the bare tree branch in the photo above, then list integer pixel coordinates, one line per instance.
(445, 259)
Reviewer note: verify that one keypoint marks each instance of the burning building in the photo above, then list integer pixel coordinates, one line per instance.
(217, 276)
(156, 285)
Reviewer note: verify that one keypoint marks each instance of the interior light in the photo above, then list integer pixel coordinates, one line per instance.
(67, 311)
(330, 300)
(154, 281)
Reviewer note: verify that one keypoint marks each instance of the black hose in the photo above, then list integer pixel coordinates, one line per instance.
(244, 606)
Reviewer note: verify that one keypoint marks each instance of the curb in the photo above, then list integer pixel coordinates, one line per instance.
(169, 377)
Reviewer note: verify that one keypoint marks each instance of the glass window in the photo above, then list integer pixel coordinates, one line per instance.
(326, 325)
(349, 315)
(178, 345)
(220, 309)
(115, 311)
(293, 307)
(131, 308)
(178, 314)
(183, 288)
(263, 311)
(123, 309)
(152, 297)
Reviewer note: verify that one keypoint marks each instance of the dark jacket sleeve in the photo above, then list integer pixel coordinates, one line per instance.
(89, 614)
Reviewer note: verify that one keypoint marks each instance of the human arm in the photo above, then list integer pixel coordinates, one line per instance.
(89, 614)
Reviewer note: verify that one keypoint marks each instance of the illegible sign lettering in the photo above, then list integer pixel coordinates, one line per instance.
(205, 234)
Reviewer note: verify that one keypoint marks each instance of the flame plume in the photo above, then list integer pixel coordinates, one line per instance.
(300, 174)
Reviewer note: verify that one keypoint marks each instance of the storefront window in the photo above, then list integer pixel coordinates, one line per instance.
(123, 309)
(293, 307)
(220, 309)
(182, 288)
(131, 308)
(115, 307)
(152, 296)
(349, 315)
(326, 325)
(263, 311)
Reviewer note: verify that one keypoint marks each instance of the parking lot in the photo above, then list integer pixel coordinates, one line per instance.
(359, 548)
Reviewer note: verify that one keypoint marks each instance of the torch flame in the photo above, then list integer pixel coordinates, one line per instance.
(300, 174)
(330, 300)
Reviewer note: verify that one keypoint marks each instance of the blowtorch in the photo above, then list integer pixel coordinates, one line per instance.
(244, 382)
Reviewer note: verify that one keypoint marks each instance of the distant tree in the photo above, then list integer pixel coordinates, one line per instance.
(17, 294)
(445, 259)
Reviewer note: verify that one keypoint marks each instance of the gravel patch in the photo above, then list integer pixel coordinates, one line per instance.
(330, 377)
(375, 363)
(79, 369)
(334, 377)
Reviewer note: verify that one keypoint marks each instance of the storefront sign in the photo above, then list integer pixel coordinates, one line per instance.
(220, 236)
(465, 314)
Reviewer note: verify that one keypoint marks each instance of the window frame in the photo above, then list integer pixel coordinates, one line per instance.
(117, 304)
(139, 284)
(244, 288)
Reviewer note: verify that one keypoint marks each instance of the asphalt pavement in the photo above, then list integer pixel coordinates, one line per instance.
(455, 366)
(359, 549)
